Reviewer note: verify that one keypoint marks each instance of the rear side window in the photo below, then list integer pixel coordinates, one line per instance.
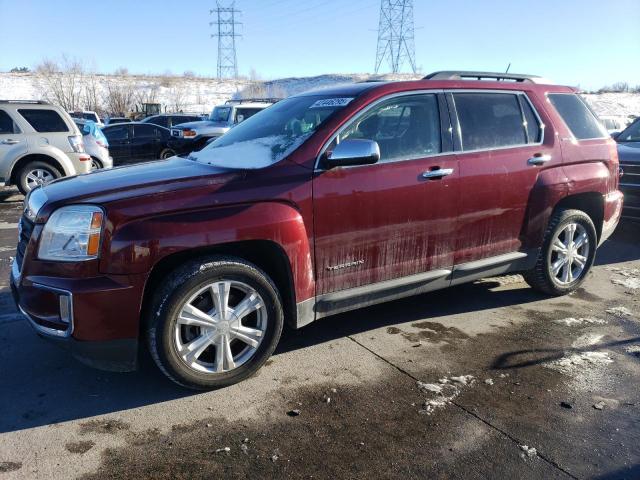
(116, 134)
(44, 120)
(490, 120)
(7, 126)
(144, 131)
(243, 113)
(575, 113)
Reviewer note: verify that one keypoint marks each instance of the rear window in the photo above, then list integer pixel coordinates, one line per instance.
(492, 120)
(575, 113)
(44, 120)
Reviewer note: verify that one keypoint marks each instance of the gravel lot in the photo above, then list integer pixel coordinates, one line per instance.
(487, 380)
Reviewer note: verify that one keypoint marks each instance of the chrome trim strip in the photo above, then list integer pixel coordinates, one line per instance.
(385, 285)
(52, 331)
(488, 262)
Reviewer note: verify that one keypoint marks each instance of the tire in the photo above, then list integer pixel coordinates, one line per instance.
(96, 164)
(166, 153)
(545, 276)
(34, 172)
(205, 365)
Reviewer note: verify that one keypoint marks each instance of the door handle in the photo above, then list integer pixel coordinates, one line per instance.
(539, 159)
(438, 173)
(10, 141)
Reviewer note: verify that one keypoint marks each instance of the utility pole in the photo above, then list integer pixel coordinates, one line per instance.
(396, 35)
(225, 31)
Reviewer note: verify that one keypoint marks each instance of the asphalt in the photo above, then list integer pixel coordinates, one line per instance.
(461, 383)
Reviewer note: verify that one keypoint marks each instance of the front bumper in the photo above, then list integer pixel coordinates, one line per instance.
(631, 200)
(97, 319)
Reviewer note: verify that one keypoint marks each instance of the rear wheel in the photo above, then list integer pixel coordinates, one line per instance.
(95, 164)
(167, 153)
(214, 322)
(567, 253)
(35, 174)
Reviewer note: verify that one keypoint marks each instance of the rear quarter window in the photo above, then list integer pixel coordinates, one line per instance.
(7, 125)
(44, 120)
(578, 117)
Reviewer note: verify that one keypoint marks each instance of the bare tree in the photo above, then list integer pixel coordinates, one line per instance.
(61, 82)
(120, 96)
(178, 97)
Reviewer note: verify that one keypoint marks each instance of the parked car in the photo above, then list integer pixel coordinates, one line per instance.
(192, 136)
(38, 143)
(95, 144)
(134, 142)
(168, 120)
(114, 120)
(629, 154)
(326, 202)
(86, 115)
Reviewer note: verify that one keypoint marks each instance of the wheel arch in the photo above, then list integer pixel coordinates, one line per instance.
(34, 157)
(591, 203)
(265, 254)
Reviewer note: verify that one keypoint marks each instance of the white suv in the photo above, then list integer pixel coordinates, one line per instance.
(39, 142)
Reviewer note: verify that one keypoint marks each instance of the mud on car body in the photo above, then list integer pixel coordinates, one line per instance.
(325, 202)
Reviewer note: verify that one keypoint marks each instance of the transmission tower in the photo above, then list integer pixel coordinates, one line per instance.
(396, 35)
(225, 30)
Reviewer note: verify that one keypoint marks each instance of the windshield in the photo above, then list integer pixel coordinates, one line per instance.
(220, 114)
(631, 134)
(272, 134)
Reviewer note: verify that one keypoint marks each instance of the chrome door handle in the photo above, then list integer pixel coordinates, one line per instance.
(539, 159)
(10, 142)
(439, 173)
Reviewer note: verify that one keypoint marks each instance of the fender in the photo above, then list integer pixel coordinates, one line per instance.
(551, 186)
(49, 151)
(135, 247)
(17, 151)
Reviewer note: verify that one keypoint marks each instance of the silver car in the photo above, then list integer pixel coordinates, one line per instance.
(96, 147)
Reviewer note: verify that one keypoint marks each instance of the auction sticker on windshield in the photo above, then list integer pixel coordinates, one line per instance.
(332, 102)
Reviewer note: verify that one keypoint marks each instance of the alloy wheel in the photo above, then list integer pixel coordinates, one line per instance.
(38, 177)
(220, 327)
(569, 253)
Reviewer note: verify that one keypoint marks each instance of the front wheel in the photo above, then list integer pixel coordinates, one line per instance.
(214, 322)
(567, 253)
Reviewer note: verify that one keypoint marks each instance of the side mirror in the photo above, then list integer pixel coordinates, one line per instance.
(615, 135)
(353, 152)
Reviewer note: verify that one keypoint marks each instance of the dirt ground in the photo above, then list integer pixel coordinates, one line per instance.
(487, 380)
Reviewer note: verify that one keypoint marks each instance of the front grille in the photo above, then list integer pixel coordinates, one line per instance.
(631, 173)
(25, 229)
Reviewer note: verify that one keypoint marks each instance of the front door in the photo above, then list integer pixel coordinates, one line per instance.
(12, 144)
(145, 142)
(395, 218)
(119, 138)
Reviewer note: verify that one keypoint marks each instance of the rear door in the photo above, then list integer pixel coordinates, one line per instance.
(145, 144)
(119, 138)
(386, 221)
(500, 133)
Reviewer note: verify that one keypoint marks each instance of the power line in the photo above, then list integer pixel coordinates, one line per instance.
(225, 31)
(396, 35)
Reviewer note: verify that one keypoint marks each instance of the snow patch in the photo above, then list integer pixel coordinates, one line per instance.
(633, 349)
(252, 154)
(443, 392)
(580, 363)
(619, 312)
(530, 451)
(630, 277)
(571, 322)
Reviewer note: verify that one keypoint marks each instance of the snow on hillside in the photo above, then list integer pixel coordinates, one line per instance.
(200, 95)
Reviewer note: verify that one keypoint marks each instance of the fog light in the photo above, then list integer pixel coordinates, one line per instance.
(65, 308)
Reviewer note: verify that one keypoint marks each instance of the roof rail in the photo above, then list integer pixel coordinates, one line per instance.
(36, 102)
(252, 100)
(496, 76)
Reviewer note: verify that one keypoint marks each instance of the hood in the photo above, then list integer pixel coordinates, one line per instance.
(629, 152)
(121, 183)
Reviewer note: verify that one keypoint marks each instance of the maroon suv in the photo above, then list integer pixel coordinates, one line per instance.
(325, 202)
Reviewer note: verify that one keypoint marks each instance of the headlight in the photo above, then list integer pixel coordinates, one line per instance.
(72, 234)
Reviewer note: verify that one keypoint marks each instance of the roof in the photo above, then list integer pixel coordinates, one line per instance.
(347, 89)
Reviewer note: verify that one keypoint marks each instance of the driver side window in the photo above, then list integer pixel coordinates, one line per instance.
(405, 128)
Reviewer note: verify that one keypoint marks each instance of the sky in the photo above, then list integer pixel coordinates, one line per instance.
(586, 43)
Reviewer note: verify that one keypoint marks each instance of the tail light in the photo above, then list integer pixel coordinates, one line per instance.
(76, 143)
(84, 157)
(101, 144)
(614, 164)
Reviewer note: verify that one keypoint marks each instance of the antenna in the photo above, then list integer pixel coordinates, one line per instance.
(225, 30)
(396, 35)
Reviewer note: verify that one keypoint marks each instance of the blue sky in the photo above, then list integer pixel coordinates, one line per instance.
(578, 42)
